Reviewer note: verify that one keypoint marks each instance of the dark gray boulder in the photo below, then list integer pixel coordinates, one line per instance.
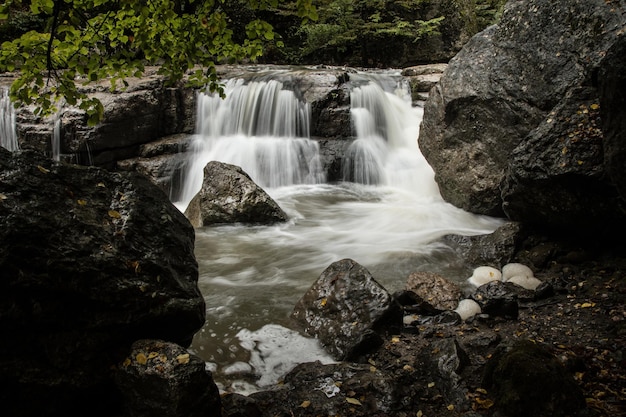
(498, 299)
(343, 389)
(229, 195)
(347, 310)
(497, 248)
(158, 378)
(527, 379)
(612, 80)
(479, 124)
(556, 175)
(91, 261)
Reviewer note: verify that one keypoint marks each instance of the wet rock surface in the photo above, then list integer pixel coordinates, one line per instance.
(561, 355)
(90, 262)
(228, 195)
(161, 378)
(440, 292)
(497, 100)
(347, 310)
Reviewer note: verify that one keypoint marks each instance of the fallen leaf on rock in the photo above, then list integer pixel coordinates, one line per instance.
(305, 404)
(353, 401)
(114, 214)
(141, 358)
(183, 358)
(42, 169)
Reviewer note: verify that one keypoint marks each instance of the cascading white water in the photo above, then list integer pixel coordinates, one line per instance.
(56, 136)
(259, 126)
(8, 135)
(385, 151)
(388, 218)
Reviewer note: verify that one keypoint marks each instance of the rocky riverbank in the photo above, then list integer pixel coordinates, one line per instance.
(559, 354)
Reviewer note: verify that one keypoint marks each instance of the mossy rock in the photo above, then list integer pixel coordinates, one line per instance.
(525, 379)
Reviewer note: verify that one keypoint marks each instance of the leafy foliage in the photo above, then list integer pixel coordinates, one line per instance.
(346, 24)
(93, 40)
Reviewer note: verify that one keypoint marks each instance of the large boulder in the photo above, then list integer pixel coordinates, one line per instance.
(479, 124)
(347, 310)
(91, 261)
(528, 380)
(612, 79)
(229, 195)
(158, 378)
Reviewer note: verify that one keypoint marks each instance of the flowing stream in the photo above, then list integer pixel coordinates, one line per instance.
(386, 216)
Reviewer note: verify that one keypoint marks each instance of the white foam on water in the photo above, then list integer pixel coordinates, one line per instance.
(276, 350)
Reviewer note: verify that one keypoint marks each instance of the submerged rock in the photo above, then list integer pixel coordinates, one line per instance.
(347, 310)
(229, 195)
(91, 261)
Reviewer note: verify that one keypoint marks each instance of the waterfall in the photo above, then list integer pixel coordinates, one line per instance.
(387, 215)
(56, 136)
(385, 150)
(8, 135)
(261, 127)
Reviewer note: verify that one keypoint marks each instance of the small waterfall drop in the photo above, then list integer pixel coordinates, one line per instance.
(387, 215)
(8, 135)
(56, 135)
(386, 128)
(261, 127)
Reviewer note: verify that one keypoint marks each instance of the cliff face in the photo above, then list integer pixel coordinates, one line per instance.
(515, 126)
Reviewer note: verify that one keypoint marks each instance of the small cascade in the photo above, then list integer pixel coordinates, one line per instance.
(56, 136)
(8, 134)
(261, 127)
(386, 127)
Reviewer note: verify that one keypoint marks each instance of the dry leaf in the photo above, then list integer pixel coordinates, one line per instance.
(305, 404)
(152, 355)
(141, 358)
(353, 401)
(431, 384)
(183, 358)
(451, 407)
(82, 202)
(42, 169)
(114, 214)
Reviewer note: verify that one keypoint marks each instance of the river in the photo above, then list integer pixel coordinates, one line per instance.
(388, 218)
